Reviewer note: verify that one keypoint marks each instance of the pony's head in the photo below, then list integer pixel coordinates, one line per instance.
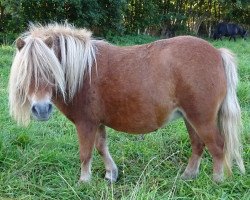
(36, 72)
(49, 61)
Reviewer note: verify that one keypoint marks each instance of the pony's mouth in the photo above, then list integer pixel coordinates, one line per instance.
(41, 111)
(39, 118)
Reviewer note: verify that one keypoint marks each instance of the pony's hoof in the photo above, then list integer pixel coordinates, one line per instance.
(189, 176)
(84, 179)
(111, 176)
(218, 178)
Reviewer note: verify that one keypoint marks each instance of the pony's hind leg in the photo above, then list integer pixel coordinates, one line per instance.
(214, 141)
(102, 148)
(198, 145)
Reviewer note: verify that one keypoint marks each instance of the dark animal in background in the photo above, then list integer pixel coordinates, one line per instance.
(229, 30)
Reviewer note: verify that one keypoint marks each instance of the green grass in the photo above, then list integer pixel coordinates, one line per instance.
(42, 161)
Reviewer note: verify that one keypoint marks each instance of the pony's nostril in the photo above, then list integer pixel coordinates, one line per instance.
(49, 108)
(35, 110)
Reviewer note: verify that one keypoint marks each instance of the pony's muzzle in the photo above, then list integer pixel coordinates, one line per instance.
(41, 111)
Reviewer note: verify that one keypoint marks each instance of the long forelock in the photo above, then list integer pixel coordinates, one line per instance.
(77, 52)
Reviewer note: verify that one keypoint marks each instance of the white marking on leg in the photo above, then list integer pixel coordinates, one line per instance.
(110, 166)
(218, 172)
(85, 172)
(192, 168)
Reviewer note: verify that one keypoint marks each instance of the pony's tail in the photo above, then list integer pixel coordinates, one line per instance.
(230, 115)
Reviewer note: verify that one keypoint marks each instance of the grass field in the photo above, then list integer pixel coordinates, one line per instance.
(42, 161)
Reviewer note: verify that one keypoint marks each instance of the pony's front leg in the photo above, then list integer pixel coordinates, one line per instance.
(86, 135)
(102, 148)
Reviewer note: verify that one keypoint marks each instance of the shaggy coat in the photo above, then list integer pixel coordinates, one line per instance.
(135, 89)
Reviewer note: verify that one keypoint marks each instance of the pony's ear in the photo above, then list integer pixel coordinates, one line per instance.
(49, 42)
(20, 43)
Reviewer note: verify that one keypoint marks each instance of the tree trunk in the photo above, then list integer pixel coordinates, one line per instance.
(1, 12)
(197, 23)
(210, 29)
(1, 17)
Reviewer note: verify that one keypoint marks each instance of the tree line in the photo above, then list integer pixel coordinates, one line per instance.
(111, 17)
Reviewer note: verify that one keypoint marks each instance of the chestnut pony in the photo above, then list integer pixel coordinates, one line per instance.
(135, 89)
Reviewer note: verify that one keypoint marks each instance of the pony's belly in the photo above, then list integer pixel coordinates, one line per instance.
(144, 125)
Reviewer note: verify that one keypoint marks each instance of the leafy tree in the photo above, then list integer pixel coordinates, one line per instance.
(109, 17)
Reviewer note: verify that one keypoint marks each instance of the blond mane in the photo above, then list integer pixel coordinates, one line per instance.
(36, 63)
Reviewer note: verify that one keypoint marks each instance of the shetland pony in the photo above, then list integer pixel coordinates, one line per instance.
(135, 89)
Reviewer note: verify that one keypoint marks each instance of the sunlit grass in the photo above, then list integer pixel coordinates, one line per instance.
(42, 160)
